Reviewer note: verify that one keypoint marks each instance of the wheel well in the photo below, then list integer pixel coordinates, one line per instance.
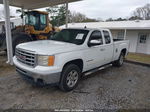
(124, 51)
(78, 62)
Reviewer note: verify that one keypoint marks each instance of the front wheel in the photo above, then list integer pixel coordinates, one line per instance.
(70, 77)
(120, 61)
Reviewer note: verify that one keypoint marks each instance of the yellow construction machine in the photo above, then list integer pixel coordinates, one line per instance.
(37, 27)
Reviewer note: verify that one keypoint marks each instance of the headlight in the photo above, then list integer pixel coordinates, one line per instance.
(46, 60)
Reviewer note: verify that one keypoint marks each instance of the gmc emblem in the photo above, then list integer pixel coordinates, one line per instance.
(22, 57)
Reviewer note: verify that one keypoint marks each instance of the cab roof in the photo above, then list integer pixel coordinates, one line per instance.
(36, 11)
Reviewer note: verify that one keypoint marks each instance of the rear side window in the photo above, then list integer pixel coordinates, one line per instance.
(107, 37)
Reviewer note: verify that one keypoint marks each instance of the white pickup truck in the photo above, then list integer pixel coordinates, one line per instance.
(68, 55)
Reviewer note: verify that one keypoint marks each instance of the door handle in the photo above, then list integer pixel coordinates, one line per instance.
(103, 49)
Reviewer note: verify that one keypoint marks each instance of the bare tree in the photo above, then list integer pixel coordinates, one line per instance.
(53, 10)
(143, 12)
(75, 17)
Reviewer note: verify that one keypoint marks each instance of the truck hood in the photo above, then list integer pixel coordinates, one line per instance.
(48, 47)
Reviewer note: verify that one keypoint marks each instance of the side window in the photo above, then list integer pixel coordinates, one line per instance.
(143, 38)
(43, 19)
(120, 35)
(33, 20)
(97, 36)
(107, 37)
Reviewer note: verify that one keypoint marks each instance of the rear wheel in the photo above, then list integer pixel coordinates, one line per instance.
(70, 77)
(120, 61)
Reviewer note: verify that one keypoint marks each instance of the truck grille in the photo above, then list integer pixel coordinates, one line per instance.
(26, 57)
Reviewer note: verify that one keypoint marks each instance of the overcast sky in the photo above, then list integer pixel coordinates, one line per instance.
(102, 8)
(107, 8)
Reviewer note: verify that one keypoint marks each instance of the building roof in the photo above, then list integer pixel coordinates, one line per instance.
(35, 4)
(3, 20)
(138, 24)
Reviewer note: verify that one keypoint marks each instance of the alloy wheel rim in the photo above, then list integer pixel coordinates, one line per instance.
(121, 60)
(72, 78)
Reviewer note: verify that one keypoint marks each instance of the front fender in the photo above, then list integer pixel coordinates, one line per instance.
(62, 59)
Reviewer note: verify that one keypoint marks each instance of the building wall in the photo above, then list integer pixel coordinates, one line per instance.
(147, 49)
(17, 21)
(148, 44)
(132, 36)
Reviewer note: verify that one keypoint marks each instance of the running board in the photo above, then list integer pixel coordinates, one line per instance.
(97, 69)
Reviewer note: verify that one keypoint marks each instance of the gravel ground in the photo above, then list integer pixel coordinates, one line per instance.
(127, 87)
(5, 69)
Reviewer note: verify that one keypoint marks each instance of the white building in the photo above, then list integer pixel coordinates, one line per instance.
(14, 22)
(138, 32)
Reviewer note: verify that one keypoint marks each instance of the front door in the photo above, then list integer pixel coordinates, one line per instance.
(142, 43)
(94, 54)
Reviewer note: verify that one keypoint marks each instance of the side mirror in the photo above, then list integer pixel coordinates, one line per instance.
(95, 42)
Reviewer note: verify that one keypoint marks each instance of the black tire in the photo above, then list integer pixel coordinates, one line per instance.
(120, 61)
(64, 82)
(18, 39)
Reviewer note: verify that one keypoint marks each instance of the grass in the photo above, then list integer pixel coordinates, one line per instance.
(144, 58)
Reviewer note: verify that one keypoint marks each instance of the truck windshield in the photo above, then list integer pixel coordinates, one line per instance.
(75, 36)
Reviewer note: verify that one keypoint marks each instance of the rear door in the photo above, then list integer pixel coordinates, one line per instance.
(108, 47)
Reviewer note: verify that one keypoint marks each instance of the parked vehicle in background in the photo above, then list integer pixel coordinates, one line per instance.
(68, 55)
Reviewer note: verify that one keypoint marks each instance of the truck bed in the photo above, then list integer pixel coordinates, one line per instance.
(120, 44)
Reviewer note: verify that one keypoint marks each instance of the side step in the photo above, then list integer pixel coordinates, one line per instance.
(97, 69)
